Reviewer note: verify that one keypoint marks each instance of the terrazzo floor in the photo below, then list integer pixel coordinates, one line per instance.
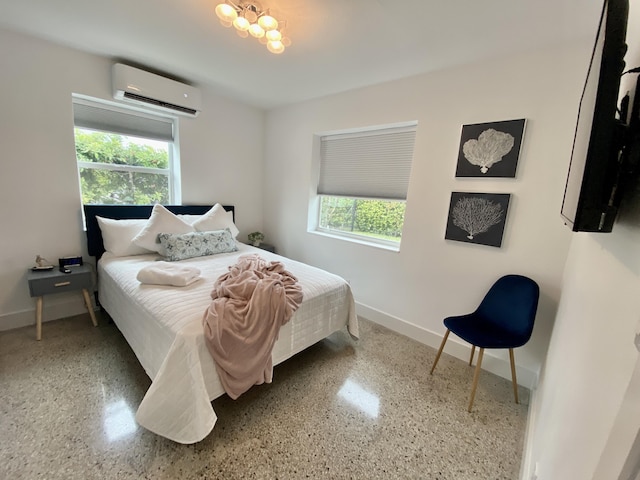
(341, 409)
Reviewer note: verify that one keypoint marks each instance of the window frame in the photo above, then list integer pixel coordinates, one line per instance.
(315, 198)
(173, 170)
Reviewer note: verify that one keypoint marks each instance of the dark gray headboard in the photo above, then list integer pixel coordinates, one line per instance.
(119, 212)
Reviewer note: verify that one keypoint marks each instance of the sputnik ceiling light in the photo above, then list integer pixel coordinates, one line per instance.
(249, 19)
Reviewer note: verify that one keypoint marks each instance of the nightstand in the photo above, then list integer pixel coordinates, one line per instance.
(43, 283)
(267, 247)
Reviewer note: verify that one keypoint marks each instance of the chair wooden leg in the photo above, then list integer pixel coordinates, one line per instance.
(473, 351)
(476, 375)
(435, 362)
(513, 375)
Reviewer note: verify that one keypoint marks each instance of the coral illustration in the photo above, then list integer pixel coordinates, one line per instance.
(476, 215)
(488, 149)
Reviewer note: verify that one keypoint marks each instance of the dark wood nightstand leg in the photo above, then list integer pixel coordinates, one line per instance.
(87, 301)
(39, 318)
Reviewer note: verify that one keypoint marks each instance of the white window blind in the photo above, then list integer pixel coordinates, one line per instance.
(372, 163)
(112, 119)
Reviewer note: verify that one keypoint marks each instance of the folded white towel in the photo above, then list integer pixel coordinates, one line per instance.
(167, 273)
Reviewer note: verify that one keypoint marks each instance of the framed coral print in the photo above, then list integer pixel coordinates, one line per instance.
(477, 217)
(490, 149)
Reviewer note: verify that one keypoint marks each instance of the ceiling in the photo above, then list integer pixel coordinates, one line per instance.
(338, 45)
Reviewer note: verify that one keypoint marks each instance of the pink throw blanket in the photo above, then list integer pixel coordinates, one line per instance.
(250, 304)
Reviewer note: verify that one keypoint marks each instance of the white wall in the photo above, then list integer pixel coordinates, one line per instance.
(586, 412)
(40, 207)
(430, 278)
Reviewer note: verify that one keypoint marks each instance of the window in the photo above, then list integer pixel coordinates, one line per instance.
(124, 157)
(363, 182)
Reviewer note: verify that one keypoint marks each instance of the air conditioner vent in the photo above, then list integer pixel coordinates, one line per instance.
(160, 103)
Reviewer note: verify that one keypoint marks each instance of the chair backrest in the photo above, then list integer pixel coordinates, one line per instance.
(510, 305)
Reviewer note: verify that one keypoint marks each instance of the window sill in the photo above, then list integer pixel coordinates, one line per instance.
(391, 248)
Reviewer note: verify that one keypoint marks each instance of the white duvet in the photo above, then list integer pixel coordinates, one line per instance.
(163, 326)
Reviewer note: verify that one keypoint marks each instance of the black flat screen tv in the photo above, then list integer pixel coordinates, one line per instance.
(591, 197)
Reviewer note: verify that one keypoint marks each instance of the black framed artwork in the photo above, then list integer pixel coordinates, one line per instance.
(477, 217)
(490, 149)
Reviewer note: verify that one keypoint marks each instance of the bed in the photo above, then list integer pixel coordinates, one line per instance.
(163, 324)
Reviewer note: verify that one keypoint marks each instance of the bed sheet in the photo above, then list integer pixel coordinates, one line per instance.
(163, 326)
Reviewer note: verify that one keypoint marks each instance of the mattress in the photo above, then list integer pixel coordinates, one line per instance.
(163, 326)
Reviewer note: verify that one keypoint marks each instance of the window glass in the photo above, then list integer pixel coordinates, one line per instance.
(118, 169)
(369, 218)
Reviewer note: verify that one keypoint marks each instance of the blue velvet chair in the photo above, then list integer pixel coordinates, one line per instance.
(504, 319)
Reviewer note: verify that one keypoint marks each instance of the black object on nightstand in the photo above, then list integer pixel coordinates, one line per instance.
(267, 247)
(45, 282)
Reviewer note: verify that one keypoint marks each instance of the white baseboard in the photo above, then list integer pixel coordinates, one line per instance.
(491, 363)
(527, 465)
(52, 310)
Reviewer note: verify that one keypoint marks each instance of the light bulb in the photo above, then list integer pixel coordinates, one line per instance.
(226, 12)
(275, 47)
(274, 35)
(268, 22)
(286, 41)
(242, 33)
(225, 23)
(256, 30)
(241, 24)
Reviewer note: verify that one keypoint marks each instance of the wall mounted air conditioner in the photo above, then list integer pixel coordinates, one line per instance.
(151, 90)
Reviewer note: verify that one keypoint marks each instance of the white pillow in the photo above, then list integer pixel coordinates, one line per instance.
(216, 219)
(118, 235)
(160, 221)
(190, 219)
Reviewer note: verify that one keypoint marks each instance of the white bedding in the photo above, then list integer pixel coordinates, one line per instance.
(163, 326)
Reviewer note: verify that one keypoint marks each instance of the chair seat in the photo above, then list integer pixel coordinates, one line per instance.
(475, 330)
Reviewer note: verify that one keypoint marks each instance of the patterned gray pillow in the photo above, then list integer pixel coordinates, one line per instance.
(180, 246)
